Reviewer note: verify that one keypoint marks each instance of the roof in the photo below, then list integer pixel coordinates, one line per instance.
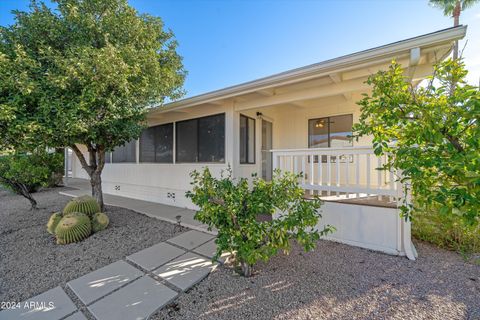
(440, 37)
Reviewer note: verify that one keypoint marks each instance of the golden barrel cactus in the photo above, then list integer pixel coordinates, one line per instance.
(73, 227)
(99, 221)
(53, 222)
(83, 204)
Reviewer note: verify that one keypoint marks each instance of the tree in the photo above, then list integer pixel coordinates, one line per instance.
(436, 136)
(233, 208)
(25, 173)
(453, 8)
(84, 73)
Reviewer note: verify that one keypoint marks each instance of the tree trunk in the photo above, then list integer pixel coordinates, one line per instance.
(96, 183)
(456, 22)
(21, 189)
(94, 169)
(246, 269)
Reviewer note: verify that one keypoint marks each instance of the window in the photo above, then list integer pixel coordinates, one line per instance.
(156, 144)
(330, 132)
(247, 140)
(125, 153)
(201, 139)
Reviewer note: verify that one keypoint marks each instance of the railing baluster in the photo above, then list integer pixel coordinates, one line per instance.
(392, 181)
(379, 177)
(347, 163)
(368, 173)
(329, 174)
(312, 170)
(337, 161)
(320, 173)
(357, 172)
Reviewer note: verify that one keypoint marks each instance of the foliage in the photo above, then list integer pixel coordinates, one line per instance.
(100, 222)
(83, 73)
(73, 227)
(436, 133)
(446, 231)
(25, 173)
(83, 204)
(449, 6)
(53, 222)
(232, 207)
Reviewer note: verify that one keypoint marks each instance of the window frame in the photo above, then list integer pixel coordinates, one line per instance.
(198, 140)
(154, 144)
(247, 139)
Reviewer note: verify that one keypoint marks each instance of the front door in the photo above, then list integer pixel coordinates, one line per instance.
(266, 147)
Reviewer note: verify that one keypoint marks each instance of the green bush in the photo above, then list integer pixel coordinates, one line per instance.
(26, 173)
(446, 231)
(233, 207)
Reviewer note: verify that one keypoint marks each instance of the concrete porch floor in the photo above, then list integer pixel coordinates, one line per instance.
(151, 209)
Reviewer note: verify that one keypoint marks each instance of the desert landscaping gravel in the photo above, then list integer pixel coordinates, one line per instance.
(30, 260)
(338, 282)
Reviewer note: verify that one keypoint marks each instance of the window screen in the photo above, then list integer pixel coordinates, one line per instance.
(125, 153)
(247, 139)
(201, 139)
(156, 144)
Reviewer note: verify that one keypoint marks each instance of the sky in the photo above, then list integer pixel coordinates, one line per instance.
(229, 42)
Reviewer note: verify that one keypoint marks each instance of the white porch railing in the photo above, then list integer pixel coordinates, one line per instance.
(340, 173)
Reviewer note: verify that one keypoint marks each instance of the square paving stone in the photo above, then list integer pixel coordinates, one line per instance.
(191, 239)
(138, 300)
(155, 256)
(53, 304)
(98, 283)
(209, 249)
(185, 271)
(76, 316)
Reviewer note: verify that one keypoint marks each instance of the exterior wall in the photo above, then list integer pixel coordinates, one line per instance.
(167, 183)
(374, 228)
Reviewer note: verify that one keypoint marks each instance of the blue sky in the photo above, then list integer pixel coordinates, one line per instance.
(229, 42)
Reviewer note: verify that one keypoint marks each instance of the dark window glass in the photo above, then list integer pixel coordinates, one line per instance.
(125, 153)
(330, 132)
(247, 139)
(211, 139)
(187, 141)
(156, 144)
(201, 140)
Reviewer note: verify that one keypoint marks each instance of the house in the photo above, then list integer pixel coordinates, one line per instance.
(298, 120)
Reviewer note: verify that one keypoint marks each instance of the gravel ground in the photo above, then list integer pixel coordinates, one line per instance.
(30, 260)
(339, 282)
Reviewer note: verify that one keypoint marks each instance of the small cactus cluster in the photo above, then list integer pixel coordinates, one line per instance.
(81, 216)
(83, 204)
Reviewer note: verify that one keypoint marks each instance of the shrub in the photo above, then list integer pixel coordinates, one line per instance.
(446, 231)
(26, 173)
(232, 207)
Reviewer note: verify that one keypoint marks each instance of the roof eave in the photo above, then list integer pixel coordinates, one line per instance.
(328, 66)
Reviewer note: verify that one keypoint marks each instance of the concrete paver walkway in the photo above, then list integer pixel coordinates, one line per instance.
(133, 288)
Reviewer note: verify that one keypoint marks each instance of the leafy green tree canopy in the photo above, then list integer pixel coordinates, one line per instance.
(25, 173)
(436, 134)
(84, 72)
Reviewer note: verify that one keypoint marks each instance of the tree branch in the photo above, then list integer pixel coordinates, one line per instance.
(81, 158)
